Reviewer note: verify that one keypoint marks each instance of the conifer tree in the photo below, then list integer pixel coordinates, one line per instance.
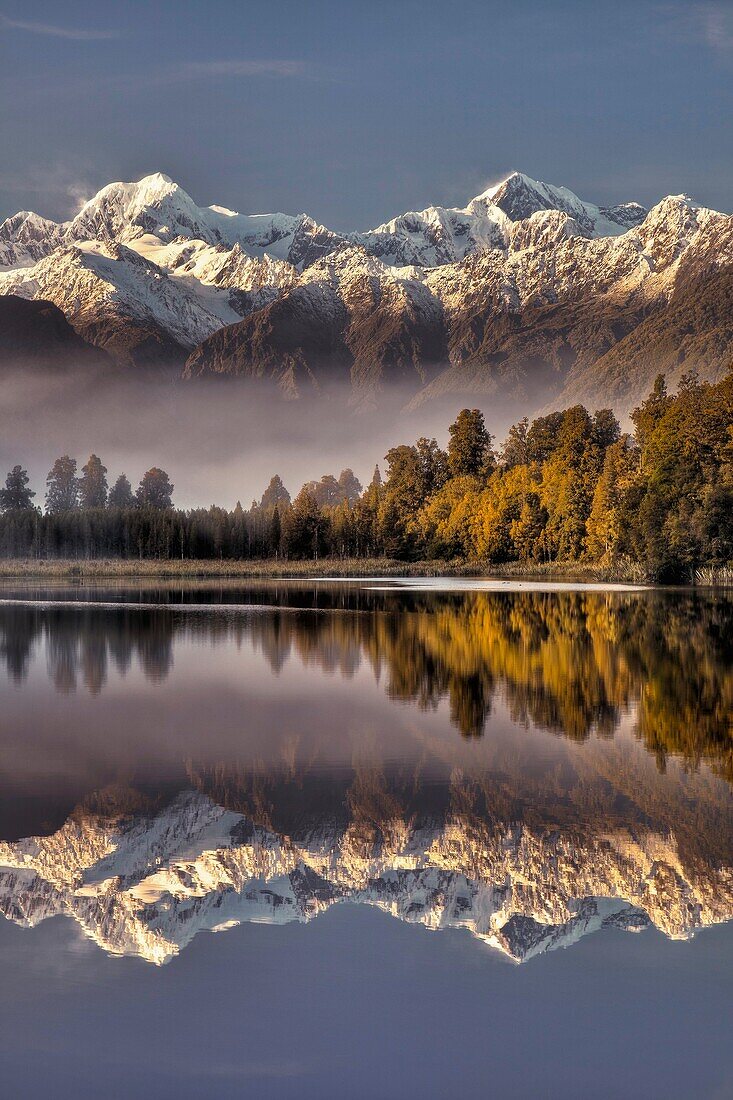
(469, 449)
(275, 493)
(155, 490)
(16, 496)
(275, 531)
(62, 493)
(349, 486)
(93, 484)
(604, 528)
(515, 451)
(302, 527)
(327, 491)
(121, 494)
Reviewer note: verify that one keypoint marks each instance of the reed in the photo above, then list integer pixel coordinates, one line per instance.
(32, 568)
(715, 576)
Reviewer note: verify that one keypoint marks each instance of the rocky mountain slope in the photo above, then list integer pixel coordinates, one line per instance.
(36, 335)
(527, 294)
(146, 883)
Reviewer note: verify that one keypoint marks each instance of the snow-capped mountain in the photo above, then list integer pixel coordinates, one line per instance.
(527, 293)
(440, 235)
(146, 884)
(519, 197)
(554, 316)
(347, 312)
(26, 237)
(155, 205)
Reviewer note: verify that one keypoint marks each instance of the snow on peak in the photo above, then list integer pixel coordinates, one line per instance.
(157, 205)
(520, 196)
(514, 180)
(156, 180)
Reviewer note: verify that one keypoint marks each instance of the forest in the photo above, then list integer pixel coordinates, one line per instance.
(568, 487)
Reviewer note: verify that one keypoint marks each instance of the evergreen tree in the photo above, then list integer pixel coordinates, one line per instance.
(240, 540)
(414, 473)
(526, 530)
(432, 467)
(604, 527)
(650, 412)
(275, 493)
(93, 484)
(155, 490)
(62, 493)
(469, 449)
(121, 494)
(515, 451)
(302, 527)
(327, 491)
(16, 496)
(606, 428)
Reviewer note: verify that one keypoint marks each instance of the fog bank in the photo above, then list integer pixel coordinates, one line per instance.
(219, 440)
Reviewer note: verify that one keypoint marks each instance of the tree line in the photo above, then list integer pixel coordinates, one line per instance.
(566, 487)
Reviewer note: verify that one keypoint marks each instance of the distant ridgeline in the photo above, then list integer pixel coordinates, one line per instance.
(568, 487)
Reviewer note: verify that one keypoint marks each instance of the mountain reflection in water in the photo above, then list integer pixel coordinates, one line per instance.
(272, 797)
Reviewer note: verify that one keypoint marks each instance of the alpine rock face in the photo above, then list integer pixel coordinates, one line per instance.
(146, 883)
(527, 293)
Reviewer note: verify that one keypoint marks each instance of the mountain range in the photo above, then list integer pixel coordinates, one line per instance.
(145, 883)
(528, 294)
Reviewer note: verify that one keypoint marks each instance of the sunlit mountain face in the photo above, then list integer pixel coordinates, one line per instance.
(525, 764)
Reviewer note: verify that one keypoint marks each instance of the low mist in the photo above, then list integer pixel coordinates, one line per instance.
(219, 440)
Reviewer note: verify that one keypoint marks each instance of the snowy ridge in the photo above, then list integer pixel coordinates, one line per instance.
(146, 885)
(93, 279)
(449, 300)
(520, 197)
(157, 205)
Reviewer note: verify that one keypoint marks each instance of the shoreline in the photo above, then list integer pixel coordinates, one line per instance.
(32, 569)
(623, 571)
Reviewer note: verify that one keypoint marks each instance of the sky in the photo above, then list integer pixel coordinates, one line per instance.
(355, 111)
(358, 1004)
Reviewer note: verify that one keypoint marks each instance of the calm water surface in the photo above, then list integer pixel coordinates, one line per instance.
(452, 839)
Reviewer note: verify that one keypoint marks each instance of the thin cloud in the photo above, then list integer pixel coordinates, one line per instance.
(247, 67)
(709, 23)
(187, 72)
(190, 71)
(717, 26)
(78, 34)
(243, 69)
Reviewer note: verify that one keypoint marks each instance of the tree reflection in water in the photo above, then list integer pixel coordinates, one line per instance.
(568, 662)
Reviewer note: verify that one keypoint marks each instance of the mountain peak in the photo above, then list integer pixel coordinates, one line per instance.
(148, 189)
(155, 185)
(512, 181)
(154, 178)
(520, 196)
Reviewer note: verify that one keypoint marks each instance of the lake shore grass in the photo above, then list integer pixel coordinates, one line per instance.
(33, 569)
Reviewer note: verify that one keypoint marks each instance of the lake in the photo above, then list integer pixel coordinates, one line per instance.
(366, 838)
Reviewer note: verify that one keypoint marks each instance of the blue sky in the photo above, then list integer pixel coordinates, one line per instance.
(357, 111)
